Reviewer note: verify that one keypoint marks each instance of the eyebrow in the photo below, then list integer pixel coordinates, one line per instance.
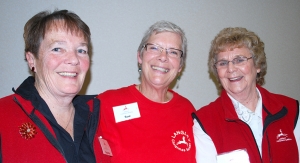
(63, 42)
(238, 55)
(84, 44)
(167, 47)
(57, 41)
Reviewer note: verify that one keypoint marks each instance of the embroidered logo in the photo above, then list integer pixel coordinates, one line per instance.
(27, 130)
(282, 137)
(181, 141)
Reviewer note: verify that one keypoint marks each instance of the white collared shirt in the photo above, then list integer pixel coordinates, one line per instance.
(253, 119)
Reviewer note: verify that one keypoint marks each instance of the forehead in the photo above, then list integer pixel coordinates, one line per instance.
(165, 38)
(59, 26)
(59, 35)
(229, 52)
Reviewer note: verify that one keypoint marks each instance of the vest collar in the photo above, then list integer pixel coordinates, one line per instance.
(270, 104)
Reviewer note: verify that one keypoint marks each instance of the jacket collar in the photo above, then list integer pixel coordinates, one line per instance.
(271, 104)
(27, 95)
(28, 91)
(228, 107)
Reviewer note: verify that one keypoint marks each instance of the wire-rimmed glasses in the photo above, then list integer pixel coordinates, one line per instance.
(238, 61)
(157, 49)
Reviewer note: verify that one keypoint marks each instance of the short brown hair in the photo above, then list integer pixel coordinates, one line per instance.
(39, 24)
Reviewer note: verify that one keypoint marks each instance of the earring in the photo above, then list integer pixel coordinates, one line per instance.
(32, 69)
(140, 67)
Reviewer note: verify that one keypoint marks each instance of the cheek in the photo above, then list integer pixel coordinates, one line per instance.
(146, 58)
(47, 64)
(51, 61)
(248, 70)
(220, 74)
(245, 69)
(175, 63)
(85, 64)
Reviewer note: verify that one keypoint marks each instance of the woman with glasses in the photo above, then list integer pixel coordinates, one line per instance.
(148, 122)
(246, 123)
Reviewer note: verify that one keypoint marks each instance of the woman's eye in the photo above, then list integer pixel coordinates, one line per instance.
(223, 63)
(153, 48)
(56, 49)
(82, 51)
(173, 52)
(239, 60)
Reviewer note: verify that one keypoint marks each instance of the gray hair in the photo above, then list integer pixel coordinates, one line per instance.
(165, 26)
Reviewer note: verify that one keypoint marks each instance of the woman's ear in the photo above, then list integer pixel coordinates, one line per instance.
(257, 70)
(139, 58)
(31, 61)
(179, 70)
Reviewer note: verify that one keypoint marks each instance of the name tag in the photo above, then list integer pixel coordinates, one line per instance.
(236, 156)
(126, 112)
(105, 146)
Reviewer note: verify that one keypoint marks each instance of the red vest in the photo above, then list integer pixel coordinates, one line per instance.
(280, 113)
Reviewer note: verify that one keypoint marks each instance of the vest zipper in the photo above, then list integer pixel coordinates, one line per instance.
(230, 120)
(269, 148)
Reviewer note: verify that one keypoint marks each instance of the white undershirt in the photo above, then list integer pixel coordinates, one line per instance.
(253, 119)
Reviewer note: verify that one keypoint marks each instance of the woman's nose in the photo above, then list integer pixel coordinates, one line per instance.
(72, 58)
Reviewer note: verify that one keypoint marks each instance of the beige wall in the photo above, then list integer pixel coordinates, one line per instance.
(118, 26)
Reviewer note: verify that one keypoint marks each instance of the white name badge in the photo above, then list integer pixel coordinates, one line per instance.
(236, 156)
(126, 112)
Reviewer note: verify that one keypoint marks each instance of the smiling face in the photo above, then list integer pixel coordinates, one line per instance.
(238, 80)
(160, 70)
(62, 62)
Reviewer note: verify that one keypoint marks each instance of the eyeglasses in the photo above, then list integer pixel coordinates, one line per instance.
(239, 61)
(157, 50)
